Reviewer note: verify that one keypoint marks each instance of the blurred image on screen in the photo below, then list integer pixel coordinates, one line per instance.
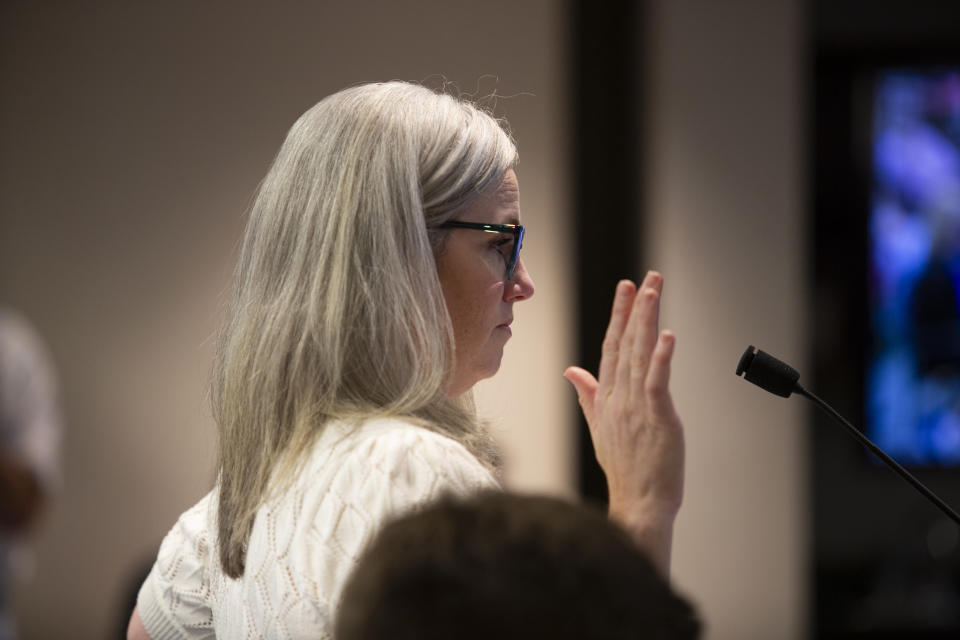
(913, 376)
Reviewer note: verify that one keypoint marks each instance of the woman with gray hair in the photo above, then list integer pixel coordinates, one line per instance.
(376, 285)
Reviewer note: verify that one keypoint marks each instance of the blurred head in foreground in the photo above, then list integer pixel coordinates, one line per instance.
(507, 566)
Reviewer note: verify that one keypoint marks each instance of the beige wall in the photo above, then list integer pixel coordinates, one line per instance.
(132, 136)
(725, 211)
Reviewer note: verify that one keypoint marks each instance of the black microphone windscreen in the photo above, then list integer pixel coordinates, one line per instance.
(765, 371)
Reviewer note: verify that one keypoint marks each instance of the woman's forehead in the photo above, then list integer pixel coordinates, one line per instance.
(496, 205)
(508, 191)
(507, 199)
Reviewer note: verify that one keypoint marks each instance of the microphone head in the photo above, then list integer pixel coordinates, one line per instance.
(765, 371)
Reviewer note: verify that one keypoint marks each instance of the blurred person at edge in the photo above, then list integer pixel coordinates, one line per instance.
(375, 287)
(30, 426)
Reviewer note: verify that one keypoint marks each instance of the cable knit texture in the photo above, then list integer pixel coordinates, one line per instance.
(306, 540)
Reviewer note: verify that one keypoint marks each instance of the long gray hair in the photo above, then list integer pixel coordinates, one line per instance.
(337, 311)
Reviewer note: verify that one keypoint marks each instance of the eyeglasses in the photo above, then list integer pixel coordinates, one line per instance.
(513, 257)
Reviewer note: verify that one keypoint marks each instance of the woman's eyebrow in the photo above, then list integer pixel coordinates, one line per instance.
(511, 213)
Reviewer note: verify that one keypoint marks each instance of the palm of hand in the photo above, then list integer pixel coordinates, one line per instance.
(636, 432)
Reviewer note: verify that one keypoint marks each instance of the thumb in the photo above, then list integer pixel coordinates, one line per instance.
(586, 387)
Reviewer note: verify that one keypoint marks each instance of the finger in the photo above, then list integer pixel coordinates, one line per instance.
(635, 344)
(647, 326)
(586, 387)
(610, 355)
(654, 280)
(657, 386)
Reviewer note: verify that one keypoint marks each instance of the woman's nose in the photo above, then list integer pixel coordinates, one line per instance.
(520, 286)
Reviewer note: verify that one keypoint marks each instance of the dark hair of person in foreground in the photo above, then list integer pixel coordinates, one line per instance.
(506, 566)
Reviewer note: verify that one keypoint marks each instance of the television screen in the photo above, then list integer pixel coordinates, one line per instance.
(913, 375)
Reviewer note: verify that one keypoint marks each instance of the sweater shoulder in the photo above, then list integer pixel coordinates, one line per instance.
(401, 457)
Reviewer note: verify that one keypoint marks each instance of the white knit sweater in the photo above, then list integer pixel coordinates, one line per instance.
(305, 541)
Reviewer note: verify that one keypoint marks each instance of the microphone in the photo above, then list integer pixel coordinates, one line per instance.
(768, 373)
(779, 378)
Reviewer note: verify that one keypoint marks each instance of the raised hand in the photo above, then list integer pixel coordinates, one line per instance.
(636, 432)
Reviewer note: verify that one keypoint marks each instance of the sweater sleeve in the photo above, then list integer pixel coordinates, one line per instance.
(174, 601)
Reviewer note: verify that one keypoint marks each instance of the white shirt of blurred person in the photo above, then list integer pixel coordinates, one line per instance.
(29, 448)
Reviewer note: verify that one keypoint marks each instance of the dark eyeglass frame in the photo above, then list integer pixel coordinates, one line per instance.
(516, 229)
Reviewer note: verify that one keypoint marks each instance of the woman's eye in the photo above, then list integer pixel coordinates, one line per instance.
(504, 246)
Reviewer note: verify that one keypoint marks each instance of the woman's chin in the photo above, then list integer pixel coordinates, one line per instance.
(465, 382)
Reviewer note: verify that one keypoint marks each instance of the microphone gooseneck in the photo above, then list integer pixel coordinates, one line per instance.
(779, 378)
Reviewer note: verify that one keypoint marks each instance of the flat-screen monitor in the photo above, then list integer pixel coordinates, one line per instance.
(913, 370)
